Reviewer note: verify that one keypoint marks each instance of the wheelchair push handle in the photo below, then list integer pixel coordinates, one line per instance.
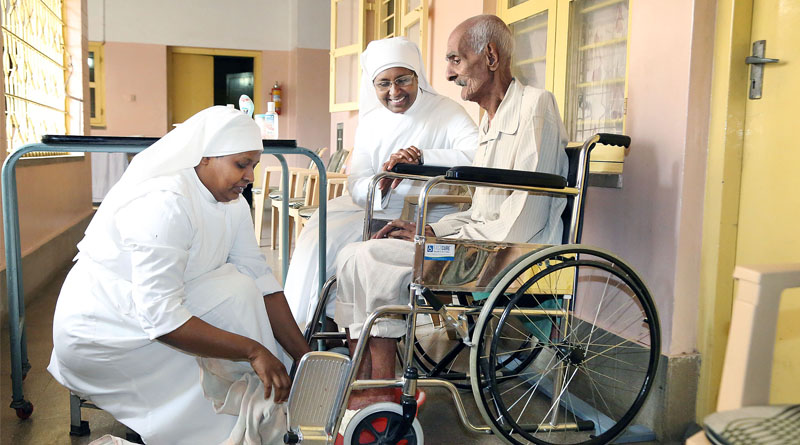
(619, 140)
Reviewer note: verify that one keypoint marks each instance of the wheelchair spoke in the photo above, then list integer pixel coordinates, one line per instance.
(546, 371)
(599, 351)
(596, 390)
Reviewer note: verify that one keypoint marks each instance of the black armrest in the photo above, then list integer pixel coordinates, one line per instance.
(422, 170)
(279, 142)
(63, 139)
(507, 177)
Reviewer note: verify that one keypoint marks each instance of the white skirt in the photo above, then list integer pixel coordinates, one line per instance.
(154, 389)
(345, 225)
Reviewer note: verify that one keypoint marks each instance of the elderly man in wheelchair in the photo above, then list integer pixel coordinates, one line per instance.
(559, 343)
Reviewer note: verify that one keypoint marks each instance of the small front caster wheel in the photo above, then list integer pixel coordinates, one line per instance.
(373, 424)
(25, 411)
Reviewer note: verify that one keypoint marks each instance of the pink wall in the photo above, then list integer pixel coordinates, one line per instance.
(445, 15)
(312, 118)
(136, 90)
(661, 199)
(304, 111)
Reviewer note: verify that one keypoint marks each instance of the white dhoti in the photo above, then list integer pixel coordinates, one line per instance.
(101, 353)
(345, 226)
(370, 275)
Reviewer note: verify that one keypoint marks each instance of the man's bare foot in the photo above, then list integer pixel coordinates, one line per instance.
(366, 397)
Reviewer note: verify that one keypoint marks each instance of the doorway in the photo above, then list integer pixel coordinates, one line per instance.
(751, 205)
(201, 77)
(233, 76)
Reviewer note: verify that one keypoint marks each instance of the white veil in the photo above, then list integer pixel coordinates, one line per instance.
(215, 131)
(381, 55)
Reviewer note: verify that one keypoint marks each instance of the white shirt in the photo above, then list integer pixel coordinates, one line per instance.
(525, 134)
(174, 232)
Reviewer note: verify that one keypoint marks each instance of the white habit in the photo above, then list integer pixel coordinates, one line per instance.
(526, 134)
(160, 250)
(435, 124)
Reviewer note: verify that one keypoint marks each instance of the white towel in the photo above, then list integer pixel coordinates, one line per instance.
(235, 389)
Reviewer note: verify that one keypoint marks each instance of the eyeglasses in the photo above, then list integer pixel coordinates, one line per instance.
(400, 82)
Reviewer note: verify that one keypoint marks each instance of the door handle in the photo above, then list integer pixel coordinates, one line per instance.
(757, 62)
(752, 60)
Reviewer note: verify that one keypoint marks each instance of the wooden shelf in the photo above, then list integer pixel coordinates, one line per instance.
(600, 122)
(531, 61)
(531, 28)
(598, 83)
(599, 6)
(603, 43)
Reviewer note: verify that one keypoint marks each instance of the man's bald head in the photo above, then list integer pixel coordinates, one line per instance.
(479, 60)
(483, 29)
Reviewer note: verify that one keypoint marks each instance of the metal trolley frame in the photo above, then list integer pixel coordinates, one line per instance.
(101, 144)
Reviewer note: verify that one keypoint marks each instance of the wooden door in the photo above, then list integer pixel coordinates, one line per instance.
(191, 85)
(769, 206)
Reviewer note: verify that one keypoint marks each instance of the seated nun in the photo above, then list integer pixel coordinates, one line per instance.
(166, 320)
(401, 118)
(522, 130)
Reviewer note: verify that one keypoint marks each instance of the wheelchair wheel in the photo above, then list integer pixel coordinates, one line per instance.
(375, 423)
(597, 329)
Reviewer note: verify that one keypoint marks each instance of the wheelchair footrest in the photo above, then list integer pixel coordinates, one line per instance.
(316, 390)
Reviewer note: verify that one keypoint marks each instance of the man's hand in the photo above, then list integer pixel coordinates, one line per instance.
(272, 373)
(399, 229)
(410, 155)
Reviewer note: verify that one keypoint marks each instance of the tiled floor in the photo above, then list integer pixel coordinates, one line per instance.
(49, 423)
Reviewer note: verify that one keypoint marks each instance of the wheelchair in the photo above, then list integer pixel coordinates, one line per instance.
(558, 344)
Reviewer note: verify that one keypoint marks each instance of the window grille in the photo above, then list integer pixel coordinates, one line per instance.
(34, 70)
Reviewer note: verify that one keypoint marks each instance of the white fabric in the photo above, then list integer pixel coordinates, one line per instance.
(165, 250)
(108, 439)
(435, 124)
(107, 168)
(525, 134)
(356, 276)
(381, 55)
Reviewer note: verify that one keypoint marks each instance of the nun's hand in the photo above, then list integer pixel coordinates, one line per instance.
(410, 155)
(272, 373)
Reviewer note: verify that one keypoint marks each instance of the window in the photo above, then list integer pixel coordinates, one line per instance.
(387, 25)
(34, 70)
(347, 42)
(577, 49)
(596, 69)
(97, 101)
(414, 23)
(354, 23)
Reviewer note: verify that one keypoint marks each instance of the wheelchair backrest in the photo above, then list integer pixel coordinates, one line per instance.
(577, 177)
(573, 159)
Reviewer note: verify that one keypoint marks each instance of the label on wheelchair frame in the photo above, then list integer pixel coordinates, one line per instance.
(440, 252)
